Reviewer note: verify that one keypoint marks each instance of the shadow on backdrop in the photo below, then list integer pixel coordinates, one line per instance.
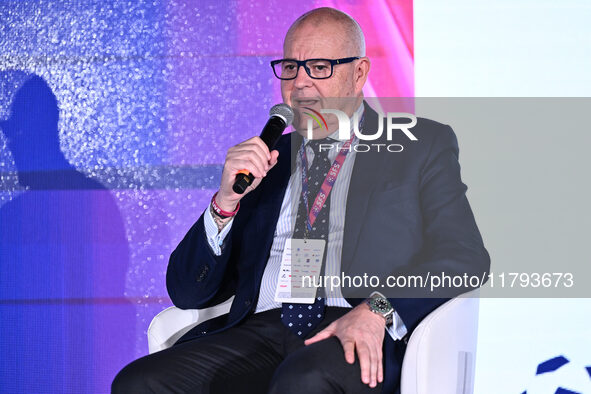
(64, 257)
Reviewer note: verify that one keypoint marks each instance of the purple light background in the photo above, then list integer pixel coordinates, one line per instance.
(147, 90)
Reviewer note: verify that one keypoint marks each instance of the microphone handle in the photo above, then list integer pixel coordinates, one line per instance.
(270, 135)
(242, 182)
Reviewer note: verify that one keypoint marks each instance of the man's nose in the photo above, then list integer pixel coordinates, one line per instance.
(302, 79)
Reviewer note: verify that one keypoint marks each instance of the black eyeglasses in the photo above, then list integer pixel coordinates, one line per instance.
(287, 69)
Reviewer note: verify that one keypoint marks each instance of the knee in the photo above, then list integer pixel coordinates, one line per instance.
(295, 376)
(132, 379)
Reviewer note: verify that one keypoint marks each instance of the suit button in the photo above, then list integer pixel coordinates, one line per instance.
(247, 302)
(203, 332)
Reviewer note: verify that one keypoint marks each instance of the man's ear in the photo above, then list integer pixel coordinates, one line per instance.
(361, 71)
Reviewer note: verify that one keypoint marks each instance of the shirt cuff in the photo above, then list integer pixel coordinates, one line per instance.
(397, 330)
(215, 238)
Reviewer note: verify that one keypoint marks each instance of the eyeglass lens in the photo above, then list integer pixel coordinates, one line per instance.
(315, 68)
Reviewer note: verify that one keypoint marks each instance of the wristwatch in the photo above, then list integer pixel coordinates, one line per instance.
(380, 305)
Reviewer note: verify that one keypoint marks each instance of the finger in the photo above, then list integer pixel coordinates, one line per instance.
(253, 185)
(364, 361)
(252, 153)
(274, 157)
(253, 145)
(349, 349)
(373, 366)
(257, 147)
(320, 336)
(263, 146)
(246, 163)
(380, 367)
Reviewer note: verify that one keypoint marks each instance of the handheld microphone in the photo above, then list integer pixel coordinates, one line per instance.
(281, 116)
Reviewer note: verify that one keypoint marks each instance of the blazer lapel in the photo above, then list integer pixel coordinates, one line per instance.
(270, 198)
(366, 171)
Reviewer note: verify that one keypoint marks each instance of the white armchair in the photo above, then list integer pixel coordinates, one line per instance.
(439, 358)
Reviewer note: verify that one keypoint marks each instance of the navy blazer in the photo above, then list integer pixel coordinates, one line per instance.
(406, 212)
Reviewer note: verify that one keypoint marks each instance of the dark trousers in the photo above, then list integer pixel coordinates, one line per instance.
(260, 355)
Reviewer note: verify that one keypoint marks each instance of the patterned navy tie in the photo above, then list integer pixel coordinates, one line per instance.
(301, 319)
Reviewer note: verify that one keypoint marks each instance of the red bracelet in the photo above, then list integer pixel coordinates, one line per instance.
(220, 212)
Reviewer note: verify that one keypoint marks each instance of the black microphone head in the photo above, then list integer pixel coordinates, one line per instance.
(283, 111)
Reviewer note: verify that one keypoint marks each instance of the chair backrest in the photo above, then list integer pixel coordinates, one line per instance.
(441, 353)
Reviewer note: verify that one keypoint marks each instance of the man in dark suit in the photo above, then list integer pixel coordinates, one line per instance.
(386, 213)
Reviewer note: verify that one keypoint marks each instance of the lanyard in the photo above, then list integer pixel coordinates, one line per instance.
(328, 183)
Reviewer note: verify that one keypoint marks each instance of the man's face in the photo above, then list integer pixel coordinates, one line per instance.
(341, 91)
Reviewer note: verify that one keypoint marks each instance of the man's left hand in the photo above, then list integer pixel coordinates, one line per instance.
(362, 330)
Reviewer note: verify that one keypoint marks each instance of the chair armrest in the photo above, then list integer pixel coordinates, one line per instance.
(440, 354)
(172, 323)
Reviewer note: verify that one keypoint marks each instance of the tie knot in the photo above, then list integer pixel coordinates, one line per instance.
(320, 147)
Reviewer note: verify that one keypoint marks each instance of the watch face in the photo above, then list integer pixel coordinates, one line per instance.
(381, 305)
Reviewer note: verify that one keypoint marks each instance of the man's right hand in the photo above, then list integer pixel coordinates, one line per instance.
(252, 155)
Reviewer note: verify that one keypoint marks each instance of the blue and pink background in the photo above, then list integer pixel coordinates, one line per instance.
(149, 96)
(133, 104)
